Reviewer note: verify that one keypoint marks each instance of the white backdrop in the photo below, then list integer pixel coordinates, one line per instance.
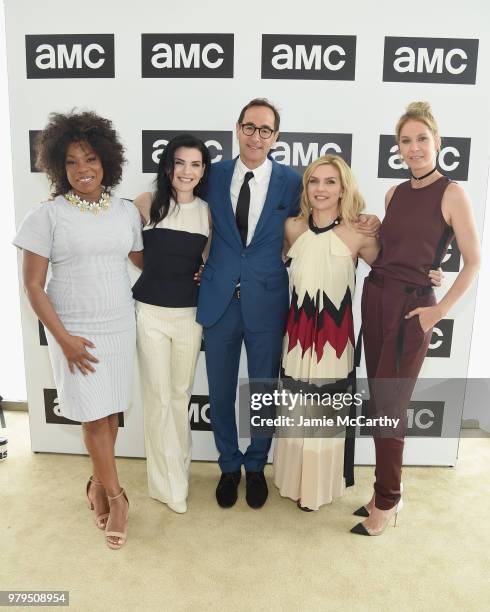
(317, 109)
(12, 376)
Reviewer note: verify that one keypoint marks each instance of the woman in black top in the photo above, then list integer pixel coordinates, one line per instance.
(176, 232)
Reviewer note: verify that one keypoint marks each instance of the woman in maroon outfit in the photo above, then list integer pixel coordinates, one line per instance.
(399, 308)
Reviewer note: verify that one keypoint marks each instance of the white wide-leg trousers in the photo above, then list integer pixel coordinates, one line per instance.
(168, 341)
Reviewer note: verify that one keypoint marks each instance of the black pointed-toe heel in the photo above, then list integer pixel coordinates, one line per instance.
(362, 511)
(359, 529)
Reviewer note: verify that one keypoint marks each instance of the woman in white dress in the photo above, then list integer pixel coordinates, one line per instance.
(87, 308)
(319, 342)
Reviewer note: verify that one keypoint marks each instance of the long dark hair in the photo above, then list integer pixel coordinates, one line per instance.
(164, 190)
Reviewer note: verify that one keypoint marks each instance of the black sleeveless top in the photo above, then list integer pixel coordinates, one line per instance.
(414, 235)
(172, 255)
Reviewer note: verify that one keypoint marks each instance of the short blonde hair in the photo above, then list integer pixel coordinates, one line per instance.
(418, 111)
(351, 203)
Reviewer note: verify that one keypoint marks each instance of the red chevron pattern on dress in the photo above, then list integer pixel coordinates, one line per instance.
(313, 328)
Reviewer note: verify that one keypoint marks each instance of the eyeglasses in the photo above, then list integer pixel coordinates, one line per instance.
(249, 129)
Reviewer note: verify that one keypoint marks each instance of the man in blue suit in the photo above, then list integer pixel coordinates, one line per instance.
(244, 287)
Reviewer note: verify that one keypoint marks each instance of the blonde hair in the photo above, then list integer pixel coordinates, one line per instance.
(351, 203)
(418, 111)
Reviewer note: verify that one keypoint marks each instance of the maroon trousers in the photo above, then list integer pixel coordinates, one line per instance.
(394, 349)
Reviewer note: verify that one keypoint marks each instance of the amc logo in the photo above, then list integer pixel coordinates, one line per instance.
(430, 60)
(308, 57)
(53, 413)
(196, 56)
(70, 56)
(441, 340)
(155, 141)
(199, 418)
(453, 159)
(452, 259)
(424, 419)
(299, 149)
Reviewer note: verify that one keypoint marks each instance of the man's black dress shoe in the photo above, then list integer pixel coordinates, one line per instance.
(226, 491)
(257, 490)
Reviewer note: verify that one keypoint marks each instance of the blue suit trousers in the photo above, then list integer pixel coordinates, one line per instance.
(223, 343)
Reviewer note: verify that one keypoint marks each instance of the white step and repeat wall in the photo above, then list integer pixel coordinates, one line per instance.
(341, 76)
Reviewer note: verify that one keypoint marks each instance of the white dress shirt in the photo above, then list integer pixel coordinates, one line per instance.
(259, 185)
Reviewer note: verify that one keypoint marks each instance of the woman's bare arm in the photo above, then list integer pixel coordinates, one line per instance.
(456, 209)
(368, 248)
(143, 204)
(389, 195)
(293, 228)
(136, 258)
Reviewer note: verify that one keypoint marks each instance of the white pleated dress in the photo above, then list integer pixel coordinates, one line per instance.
(90, 290)
(318, 346)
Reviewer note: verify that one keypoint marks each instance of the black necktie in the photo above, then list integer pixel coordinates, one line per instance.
(242, 206)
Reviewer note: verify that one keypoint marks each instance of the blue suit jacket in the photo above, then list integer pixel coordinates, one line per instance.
(259, 267)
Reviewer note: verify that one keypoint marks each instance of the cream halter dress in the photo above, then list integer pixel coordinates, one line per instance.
(318, 346)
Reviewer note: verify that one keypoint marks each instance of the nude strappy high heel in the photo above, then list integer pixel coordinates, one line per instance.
(360, 529)
(100, 519)
(122, 535)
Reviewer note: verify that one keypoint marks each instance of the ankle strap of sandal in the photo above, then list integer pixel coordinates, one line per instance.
(116, 496)
(95, 482)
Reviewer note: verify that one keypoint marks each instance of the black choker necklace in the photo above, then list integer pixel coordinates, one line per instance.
(421, 178)
(319, 230)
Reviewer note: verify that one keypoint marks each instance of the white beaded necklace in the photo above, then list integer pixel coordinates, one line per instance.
(86, 205)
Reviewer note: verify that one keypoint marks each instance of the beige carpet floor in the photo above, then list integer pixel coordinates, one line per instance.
(276, 558)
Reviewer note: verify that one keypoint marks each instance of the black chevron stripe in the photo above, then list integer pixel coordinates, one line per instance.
(309, 307)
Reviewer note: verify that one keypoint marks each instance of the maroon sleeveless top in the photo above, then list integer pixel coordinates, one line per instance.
(414, 235)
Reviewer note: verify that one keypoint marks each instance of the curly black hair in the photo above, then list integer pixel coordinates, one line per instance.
(61, 131)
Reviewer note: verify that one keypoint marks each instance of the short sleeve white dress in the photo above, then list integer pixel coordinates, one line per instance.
(90, 290)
